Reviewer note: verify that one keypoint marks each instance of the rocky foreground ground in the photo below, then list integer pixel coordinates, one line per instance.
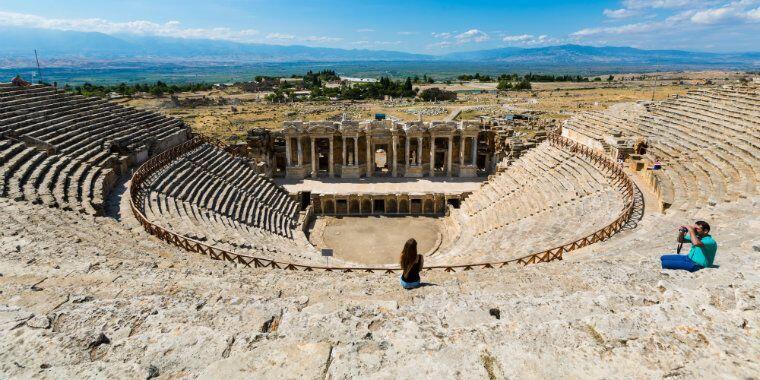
(86, 297)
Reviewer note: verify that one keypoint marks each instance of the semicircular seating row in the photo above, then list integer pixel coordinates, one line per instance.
(546, 198)
(707, 141)
(210, 196)
(66, 150)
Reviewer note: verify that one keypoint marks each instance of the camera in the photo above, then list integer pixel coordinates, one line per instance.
(683, 229)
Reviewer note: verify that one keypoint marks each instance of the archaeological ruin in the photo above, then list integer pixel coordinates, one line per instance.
(132, 243)
(408, 149)
(258, 203)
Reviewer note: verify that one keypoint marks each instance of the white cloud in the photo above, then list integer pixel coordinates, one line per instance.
(518, 38)
(376, 43)
(663, 4)
(142, 27)
(321, 39)
(405, 33)
(472, 35)
(623, 29)
(685, 21)
(733, 12)
(440, 45)
(139, 27)
(620, 13)
(444, 35)
(365, 30)
(530, 40)
(754, 14)
(280, 36)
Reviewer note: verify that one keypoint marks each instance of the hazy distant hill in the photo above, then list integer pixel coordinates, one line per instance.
(80, 49)
(99, 46)
(577, 54)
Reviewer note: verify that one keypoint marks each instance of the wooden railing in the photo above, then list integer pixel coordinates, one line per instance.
(150, 167)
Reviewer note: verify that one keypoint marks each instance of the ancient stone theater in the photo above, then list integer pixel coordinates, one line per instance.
(132, 246)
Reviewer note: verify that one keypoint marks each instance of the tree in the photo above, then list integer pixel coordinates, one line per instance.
(522, 85)
(610, 78)
(408, 85)
(276, 97)
(435, 93)
(504, 85)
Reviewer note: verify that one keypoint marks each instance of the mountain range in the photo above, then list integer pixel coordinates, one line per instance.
(72, 48)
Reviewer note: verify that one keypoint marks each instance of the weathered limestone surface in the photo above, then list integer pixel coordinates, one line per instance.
(87, 297)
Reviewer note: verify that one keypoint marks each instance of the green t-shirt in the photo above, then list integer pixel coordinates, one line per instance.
(705, 255)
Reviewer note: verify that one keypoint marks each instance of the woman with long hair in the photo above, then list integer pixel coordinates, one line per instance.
(411, 265)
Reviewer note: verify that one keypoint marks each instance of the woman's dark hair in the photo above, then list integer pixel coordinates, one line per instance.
(702, 224)
(408, 255)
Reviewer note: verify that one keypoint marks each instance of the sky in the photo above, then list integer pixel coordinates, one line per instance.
(428, 27)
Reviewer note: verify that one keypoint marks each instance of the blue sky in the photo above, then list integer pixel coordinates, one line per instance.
(430, 27)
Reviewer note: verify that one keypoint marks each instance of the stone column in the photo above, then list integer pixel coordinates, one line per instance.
(395, 155)
(344, 152)
(331, 159)
(369, 156)
(313, 158)
(288, 161)
(449, 154)
(356, 151)
(300, 152)
(419, 151)
(432, 156)
(406, 152)
(462, 144)
(475, 151)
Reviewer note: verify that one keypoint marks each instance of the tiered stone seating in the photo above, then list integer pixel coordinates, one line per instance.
(209, 195)
(66, 151)
(546, 198)
(225, 232)
(83, 127)
(708, 142)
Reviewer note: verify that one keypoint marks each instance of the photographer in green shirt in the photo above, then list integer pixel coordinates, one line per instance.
(702, 252)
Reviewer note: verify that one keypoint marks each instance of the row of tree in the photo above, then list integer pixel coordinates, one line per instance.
(315, 83)
(530, 77)
(157, 89)
(314, 80)
(477, 77)
(425, 79)
(376, 90)
(508, 83)
(385, 87)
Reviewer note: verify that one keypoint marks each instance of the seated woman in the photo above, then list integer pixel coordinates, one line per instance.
(411, 265)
